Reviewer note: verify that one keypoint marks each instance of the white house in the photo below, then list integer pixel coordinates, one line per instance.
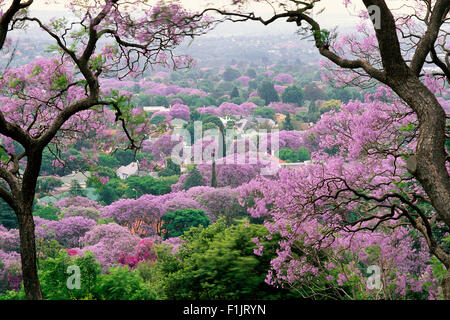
(80, 177)
(126, 171)
(155, 108)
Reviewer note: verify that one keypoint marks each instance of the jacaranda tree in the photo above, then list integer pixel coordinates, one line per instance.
(59, 100)
(395, 46)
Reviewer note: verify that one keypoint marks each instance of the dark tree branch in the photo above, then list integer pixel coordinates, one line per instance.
(427, 41)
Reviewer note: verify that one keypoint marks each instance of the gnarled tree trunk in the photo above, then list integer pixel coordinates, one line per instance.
(28, 252)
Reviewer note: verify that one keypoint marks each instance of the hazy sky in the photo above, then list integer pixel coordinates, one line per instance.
(335, 13)
(334, 7)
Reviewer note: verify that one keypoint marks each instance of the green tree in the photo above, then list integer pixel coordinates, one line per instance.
(76, 189)
(330, 105)
(257, 100)
(231, 74)
(313, 93)
(54, 277)
(46, 212)
(213, 174)
(120, 283)
(268, 93)
(106, 160)
(107, 194)
(294, 156)
(193, 179)
(251, 73)
(293, 94)
(253, 85)
(287, 125)
(144, 100)
(160, 101)
(234, 93)
(343, 94)
(7, 216)
(171, 169)
(206, 85)
(177, 222)
(97, 172)
(47, 184)
(312, 107)
(140, 185)
(264, 112)
(157, 119)
(218, 262)
(125, 157)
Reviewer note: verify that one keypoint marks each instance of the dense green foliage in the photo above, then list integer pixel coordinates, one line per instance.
(171, 169)
(47, 184)
(293, 94)
(264, 112)
(106, 160)
(293, 156)
(267, 92)
(287, 125)
(231, 74)
(46, 212)
(135, 187)
(216, 262)
(177, 222)
(7, 216)
(193, 179)
(58, 282)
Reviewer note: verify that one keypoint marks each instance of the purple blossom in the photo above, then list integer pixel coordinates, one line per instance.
(11, 271)
(9, 239)
(284, 78)
(108, 241)
(77, 201)
(180, 111)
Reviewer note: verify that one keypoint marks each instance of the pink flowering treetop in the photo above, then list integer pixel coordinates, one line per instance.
(281, 107)
(210, 110)
(244, 80)
(108, 242)
(163, 146)
(9, 239)
(78, 202)
(10, 272)
(228, 109)
(145, 251)
(279, 89)
(221, 202)
(180, 111)
(142, 216)
(247, 108)
(284, 78)
(253, 94)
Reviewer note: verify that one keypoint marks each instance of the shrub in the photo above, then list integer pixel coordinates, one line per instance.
(177, 222)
